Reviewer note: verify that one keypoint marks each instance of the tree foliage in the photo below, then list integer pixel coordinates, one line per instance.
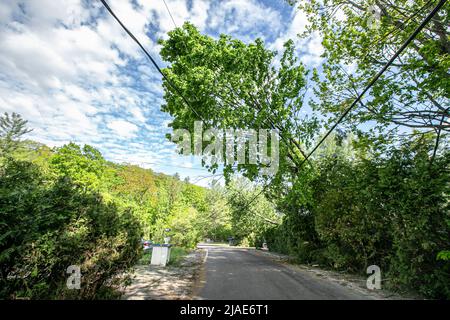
(377, 191)
(12, 128)
(231, 84)
(359, 37)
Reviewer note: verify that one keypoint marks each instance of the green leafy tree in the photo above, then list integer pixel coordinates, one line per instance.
(230, 84)
(83, 165)
(12, 128)
(48, 223)
(359, 37)
(250, 219)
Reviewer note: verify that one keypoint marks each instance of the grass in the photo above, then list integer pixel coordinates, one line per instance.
(177, 255)
(145, 258)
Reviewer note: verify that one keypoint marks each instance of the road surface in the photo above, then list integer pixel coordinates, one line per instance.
(236, 273)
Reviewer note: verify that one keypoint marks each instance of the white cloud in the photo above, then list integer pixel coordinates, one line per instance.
(123, 128)
(69, 68)
(310, 49)
(296, 26)
(313, 51)
(246, 19)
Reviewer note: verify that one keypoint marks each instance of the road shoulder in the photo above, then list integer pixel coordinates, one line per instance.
(352, 282)
(173, 282)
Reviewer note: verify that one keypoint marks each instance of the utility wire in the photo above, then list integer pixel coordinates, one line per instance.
(397, 30)
(294, 156)
(378, 75)
(170, 14)
(171, 84)
(371, 83)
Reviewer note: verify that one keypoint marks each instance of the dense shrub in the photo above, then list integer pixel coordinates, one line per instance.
(69, 206)
(49, 223)
(391, 211)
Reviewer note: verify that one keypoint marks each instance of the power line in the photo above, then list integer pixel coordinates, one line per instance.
(378, 75)
(175, 88)
(371, 83)
(396, 30)
(234, 93)
(170, 14)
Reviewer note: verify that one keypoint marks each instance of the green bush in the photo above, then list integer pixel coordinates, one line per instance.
(393, 212)
(49, 223)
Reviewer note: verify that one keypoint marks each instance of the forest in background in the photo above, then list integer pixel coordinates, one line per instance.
(69, 206)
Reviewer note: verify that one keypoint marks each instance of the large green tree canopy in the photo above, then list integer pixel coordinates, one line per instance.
(359, 37)
(233, 85)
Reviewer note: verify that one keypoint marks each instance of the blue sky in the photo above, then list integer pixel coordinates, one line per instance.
(70, 70)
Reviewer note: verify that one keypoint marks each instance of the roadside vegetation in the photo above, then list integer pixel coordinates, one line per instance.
(145, 258)
(177, 254)
(69, 206)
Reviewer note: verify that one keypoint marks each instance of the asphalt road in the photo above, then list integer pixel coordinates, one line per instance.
(235, 273)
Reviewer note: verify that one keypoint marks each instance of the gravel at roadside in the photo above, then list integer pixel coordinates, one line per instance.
(160, 283)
